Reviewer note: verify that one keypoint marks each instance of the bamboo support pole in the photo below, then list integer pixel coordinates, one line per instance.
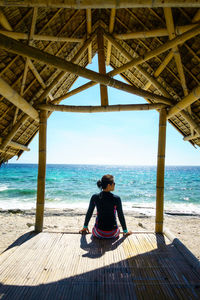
(15, 145)
(41, 172)
(152, 33)
(185, 102)
(160, 173)
(84, 4)
(33, 53)
(163, 48)
(111, 27)
(102, 67)
(40, 37)
(89, 30)
(10, 94)
(96, 109)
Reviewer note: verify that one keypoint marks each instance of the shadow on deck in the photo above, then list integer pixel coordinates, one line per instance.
(70, 266)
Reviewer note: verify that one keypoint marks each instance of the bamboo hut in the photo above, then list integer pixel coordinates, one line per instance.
(46, 45)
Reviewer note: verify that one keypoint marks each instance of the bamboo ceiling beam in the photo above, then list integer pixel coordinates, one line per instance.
(7, 152)
(147, 29)
(172, 35)
(160, 68)
(102, 67)
(46, 58)
(111, 27)
(74, 92)
(89, 31)
(152, 33)
(16, 145)
(11, 95)
(4, 22)
(183, 113)
(96, 109)
(40, 37)
(127, 56)
(13, 131)
(84, 4)
(150, 78)
(163, 48)
(191, 137)
(185, 102)
(196, 17)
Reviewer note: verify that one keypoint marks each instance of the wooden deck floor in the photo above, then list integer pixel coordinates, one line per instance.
(70, 266)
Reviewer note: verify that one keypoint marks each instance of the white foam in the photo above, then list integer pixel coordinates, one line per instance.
(3, 188)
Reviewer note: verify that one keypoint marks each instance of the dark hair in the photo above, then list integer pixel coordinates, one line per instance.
(105, 180)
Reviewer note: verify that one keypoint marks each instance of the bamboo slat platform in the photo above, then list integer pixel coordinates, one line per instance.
(71, 266)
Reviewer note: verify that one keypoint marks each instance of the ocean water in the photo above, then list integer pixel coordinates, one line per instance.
(71, 186)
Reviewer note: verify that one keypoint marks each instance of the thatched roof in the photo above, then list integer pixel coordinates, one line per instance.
(72, 31)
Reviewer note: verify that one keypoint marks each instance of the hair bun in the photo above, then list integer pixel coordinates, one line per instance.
(99, 183)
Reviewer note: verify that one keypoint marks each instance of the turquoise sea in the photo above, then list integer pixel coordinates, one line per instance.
(71, 186)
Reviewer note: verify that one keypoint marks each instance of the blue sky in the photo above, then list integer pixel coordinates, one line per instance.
(120, 138)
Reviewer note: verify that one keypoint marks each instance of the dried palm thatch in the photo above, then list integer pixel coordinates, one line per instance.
(44, 47)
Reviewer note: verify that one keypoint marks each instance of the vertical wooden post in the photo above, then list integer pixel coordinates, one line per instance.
(160, 172)
(41, 172)
(102, 67)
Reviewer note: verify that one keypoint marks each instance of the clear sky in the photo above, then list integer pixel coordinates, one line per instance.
(120, 138)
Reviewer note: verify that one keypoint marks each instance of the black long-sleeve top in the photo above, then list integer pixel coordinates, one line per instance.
(107, 204)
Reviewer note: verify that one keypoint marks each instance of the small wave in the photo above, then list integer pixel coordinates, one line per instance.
(3, 188)
(18, 192)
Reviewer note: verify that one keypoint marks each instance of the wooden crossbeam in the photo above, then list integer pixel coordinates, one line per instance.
(152, 33)
(172, 35)
(9, 93)
(102, 67)
(191, 137)
(196, 17)
(183, 113)
(111, 27)
(168, 45)
(96, 109)
(84, 4)
(4, 22)
(89, 31)
(46, 58)
(185, 102)
(41, 37)
(15, 145)
(74, 92)
(14, 130)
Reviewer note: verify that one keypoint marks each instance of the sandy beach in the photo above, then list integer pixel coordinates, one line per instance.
(15, 223)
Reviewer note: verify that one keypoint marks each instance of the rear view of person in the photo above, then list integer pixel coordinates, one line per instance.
(107, 205)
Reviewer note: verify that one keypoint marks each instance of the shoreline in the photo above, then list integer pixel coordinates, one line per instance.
(14, 223)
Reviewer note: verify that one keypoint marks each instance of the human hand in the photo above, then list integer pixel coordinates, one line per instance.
(127, 233)
(84, 230)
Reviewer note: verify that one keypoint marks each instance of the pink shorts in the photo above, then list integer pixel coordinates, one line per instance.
(101, 234)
